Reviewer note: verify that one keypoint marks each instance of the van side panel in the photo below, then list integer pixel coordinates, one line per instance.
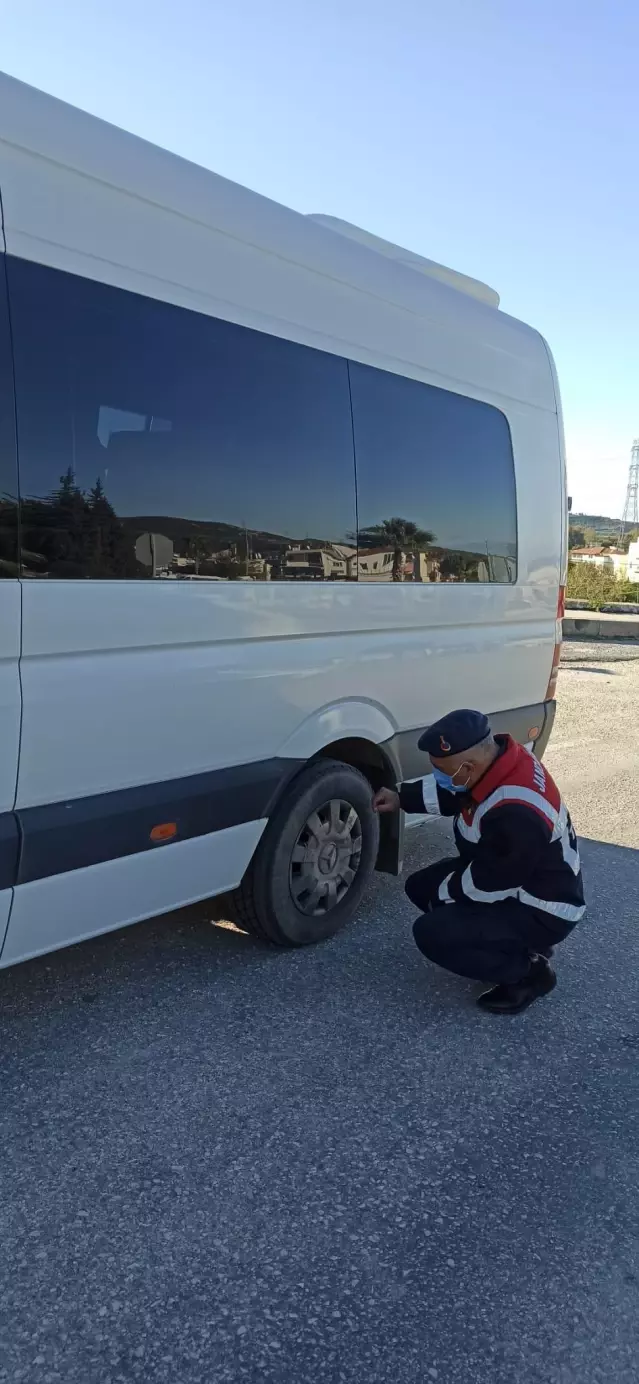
(149, 682)
(66, 908)
(135, 683)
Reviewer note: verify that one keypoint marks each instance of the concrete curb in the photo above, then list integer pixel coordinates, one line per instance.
(598, 626)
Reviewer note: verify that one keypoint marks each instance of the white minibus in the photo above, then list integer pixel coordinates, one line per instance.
(275, 495)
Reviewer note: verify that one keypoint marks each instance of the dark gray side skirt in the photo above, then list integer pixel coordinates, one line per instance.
(519, 723)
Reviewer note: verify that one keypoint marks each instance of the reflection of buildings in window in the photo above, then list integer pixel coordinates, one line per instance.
(421, 566)
(496, 569)
(307, 561)
(223, 564)
(331, 562)
(259, 569)
(339, 561)
(438, 564)
(375, 564)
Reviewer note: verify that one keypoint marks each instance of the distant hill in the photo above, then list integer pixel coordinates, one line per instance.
(220, 535)
(601, 522)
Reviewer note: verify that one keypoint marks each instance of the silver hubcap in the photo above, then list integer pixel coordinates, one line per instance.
(326, 857)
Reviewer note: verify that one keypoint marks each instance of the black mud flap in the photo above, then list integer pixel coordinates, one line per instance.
(390, 858)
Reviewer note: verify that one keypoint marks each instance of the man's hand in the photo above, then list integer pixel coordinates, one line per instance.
(386, 800)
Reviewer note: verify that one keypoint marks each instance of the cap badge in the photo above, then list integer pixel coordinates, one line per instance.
(444, 745)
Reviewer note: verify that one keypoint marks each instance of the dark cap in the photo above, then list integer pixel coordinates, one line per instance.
(458, 731)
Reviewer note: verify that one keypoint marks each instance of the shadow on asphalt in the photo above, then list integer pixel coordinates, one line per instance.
(587, 668)
(221, 1162)
(198, 947)
(175, 942)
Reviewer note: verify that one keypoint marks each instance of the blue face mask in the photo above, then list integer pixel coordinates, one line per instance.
(447, 781)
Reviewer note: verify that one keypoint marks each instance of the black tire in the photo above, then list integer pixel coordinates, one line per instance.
(264, 904)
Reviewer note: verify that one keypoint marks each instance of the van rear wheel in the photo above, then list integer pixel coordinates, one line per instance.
(314, 860)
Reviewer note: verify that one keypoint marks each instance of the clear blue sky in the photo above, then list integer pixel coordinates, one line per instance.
(498, 137)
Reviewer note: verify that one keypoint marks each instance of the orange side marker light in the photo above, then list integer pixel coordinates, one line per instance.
(165, 831)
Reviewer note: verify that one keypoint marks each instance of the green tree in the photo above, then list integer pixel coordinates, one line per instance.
(197, 550)
(598, 587)
(227, 567)
(73, 534)
(459, 567)
(56, 528)
(399, 534)
(109, 551)
(576, 537)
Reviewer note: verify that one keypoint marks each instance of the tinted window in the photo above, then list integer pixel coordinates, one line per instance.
(8, 463)
(435, 483)
(157, 441)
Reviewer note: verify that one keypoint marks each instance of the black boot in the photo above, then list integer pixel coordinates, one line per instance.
(511, 999)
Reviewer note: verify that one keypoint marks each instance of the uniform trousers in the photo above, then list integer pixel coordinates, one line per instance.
(492, 942)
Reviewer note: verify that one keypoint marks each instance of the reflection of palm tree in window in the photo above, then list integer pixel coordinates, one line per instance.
(401, 535)
(459, 567)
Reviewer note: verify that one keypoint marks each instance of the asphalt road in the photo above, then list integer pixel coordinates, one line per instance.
(219, 1163)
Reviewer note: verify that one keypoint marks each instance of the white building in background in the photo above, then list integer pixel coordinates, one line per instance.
(632, 570)
(609, 560)
(330, 562)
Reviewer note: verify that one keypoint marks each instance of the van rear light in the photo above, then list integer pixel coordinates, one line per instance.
(551, 691)
(556, 658)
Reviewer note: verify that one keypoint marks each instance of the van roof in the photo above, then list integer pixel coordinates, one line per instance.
(462, 282)
(82, 195)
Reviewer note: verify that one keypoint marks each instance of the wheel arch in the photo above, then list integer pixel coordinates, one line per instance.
(379, 764)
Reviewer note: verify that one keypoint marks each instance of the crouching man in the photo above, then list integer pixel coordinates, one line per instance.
(495, 911)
